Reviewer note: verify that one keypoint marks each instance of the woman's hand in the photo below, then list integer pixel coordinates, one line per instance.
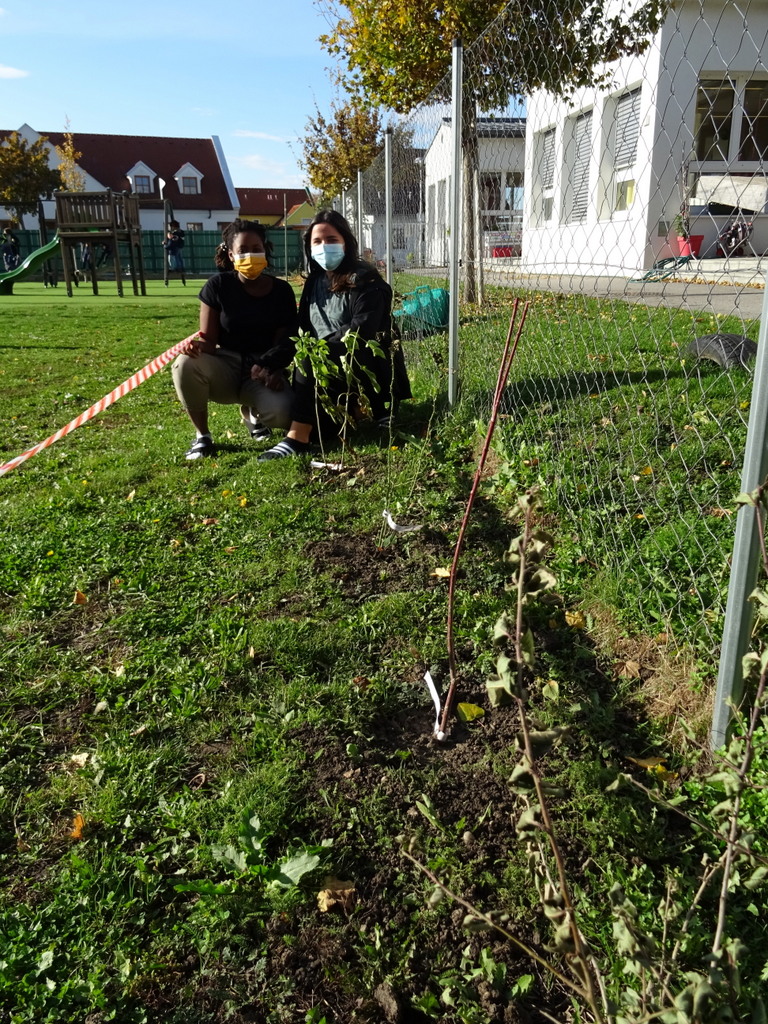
(197, 344)
(273, 379)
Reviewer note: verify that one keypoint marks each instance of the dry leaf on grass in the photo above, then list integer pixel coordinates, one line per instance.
(79, 598)
(78, 824)
(336, 894)
(627, 669)
(443, 573)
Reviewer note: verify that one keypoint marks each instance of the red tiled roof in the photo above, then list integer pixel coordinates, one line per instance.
(268, 202)
(108, 157)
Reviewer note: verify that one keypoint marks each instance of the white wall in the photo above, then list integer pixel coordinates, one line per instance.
(696, 38)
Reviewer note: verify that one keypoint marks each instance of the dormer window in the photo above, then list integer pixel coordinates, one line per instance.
(142, 179)
(189, 180)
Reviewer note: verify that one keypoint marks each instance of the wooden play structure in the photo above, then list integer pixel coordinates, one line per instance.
(103, 219)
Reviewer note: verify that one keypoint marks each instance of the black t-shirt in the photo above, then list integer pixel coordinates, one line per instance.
(260, 327)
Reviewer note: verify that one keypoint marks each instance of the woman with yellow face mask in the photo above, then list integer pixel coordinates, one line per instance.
(239, 356)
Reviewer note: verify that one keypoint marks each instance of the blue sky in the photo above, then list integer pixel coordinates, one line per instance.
(250, 73)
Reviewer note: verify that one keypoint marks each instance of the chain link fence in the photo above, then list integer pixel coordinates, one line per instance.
(632, 216)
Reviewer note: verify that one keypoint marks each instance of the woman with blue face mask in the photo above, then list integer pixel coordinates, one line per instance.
(239, 356)
(343, 294)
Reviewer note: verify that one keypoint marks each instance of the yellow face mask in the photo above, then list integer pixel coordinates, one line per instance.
(249, 264)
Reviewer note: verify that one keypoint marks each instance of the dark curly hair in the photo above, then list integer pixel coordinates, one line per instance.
(237, 227)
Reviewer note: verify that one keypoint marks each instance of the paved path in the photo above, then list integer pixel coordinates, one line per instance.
(728, 287)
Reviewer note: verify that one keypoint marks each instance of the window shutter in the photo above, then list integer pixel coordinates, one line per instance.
(582, 143)
(548, 160)
(627, 128)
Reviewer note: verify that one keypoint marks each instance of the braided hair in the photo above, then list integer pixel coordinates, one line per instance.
(221, 256)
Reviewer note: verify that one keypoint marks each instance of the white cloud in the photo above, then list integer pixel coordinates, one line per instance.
(6, 72)
(263, 172)
(243, 133)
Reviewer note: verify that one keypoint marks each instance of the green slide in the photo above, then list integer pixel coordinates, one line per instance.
(28, 266)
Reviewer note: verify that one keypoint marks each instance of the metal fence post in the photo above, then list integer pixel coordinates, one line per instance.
(746, 548)
(360, 240)
(388, 202)
(455, 211)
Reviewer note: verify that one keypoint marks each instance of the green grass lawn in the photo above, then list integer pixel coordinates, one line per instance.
(212, 669)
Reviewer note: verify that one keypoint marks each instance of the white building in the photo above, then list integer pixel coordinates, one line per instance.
(501, 157)
(685, 123)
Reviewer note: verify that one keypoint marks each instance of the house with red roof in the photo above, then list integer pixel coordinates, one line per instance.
(191, 174)
(269, 205)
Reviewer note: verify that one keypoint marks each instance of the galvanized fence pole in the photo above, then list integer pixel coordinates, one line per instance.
(360, 240)
(388, 203)
(455, 212)
(746, 548)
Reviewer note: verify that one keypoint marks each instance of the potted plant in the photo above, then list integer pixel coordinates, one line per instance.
(688, 244)
(683, 231)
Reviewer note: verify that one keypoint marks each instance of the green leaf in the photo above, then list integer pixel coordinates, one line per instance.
(427, 809)
(498, 693)
(528, 648)
(469, 712)
(550, 690)
(291, 870)
(231, 857)
(757, 878)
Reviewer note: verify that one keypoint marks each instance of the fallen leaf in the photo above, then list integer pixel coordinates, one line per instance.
(101, 706)
(131, 496)
(79, 759)
(78, 824)
(662, 638)
(230, 549)
(361, 682)
(210, 521)
(251, 653)
(576, 619)
(551, 689)
(647, 762)
(443, 573)
(336, 894)
(469, 712)
(79, 598)
(627, 669)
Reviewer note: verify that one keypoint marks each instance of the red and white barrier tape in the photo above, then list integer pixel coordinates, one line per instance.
(128, 385)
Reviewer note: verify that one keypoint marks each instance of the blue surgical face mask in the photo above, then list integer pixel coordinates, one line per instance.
(329, 256)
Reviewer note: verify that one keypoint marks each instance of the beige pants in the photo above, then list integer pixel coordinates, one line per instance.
(217, 378)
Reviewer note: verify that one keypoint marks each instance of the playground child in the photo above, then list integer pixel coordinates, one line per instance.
(173, 245)
(10, 250)
(239, 356)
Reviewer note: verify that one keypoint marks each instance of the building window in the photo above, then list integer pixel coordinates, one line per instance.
(626, 137)
(142, 184)
(547, 173)
(490, 191)
(753, 138)
(625, 195)
(731, 120)
(189, 186)
(714, 117)
(398, 238)
(194, 225)
(579, 174)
